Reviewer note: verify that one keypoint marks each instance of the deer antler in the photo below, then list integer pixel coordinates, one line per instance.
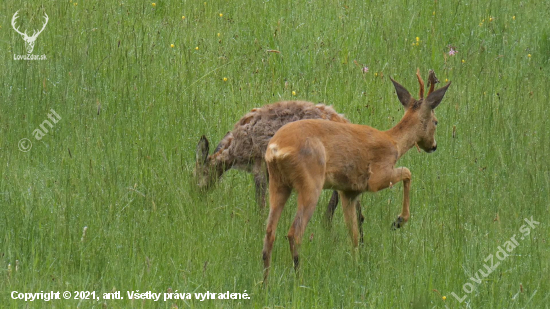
(34, 33)
(421, 82)
(432, 80)
(13, 25)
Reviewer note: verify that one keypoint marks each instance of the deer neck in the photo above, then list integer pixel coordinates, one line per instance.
(404, 133)
(221, 164)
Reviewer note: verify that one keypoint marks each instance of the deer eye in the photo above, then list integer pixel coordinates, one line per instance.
(435, 122)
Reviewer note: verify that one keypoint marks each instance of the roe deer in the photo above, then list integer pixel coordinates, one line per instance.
(244, 147)
(312, 155)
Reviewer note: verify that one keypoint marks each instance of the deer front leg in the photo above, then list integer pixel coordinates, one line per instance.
(333, 203)
(403, 174)
(390, 178)
(331, 207)
(349, 206)
(260, 182)
(360, 219)
(261, 188)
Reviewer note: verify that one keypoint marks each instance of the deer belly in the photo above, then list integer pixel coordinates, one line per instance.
(351, 178)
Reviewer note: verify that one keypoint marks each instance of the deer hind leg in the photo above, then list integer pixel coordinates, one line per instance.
(307, 201)
(278, 195)
(260, 182)
(349, 206)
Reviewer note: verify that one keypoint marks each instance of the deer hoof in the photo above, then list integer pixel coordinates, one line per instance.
(399, 222)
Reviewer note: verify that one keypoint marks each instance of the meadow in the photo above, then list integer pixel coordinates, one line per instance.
(105, 200)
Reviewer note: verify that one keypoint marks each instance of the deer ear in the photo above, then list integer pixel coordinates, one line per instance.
(402, 93)
(435, 97)
(201, 153)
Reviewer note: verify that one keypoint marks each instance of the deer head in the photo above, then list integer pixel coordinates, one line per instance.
(29, 40)
(421, 110)
(209, 168)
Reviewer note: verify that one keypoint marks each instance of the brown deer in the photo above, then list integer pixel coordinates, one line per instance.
(244, 147)
(312, 155)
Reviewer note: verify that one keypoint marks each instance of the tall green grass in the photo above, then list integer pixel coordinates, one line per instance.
(125, 172)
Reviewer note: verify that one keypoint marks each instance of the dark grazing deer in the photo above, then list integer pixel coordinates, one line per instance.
(311, 155)
(244, 147)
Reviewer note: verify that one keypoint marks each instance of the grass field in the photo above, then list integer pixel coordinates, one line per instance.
(105, 200)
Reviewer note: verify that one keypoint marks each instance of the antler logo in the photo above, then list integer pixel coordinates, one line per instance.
(29, 40)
